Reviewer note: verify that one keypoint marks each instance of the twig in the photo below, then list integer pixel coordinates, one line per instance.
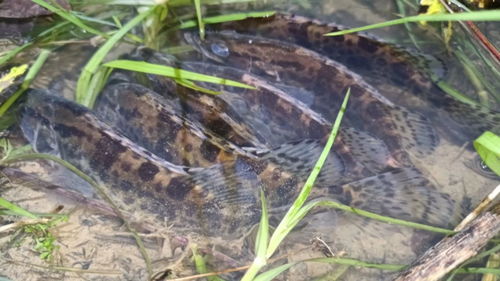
(22, 223)
(63, 268)
(453, 251)
(485, 203)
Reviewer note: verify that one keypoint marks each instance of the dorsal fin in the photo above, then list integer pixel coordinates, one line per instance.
(402, 193)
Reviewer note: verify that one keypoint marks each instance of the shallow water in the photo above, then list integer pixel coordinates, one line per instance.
(359, 238)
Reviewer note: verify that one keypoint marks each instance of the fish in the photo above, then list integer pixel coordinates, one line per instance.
(381, 63)
(402, 130)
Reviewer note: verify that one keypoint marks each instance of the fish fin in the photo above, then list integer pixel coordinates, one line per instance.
(371, 152)
(474, 118)
(418, 136)
(233, 183)
(39, 134)
(402, 193)
(299, 158)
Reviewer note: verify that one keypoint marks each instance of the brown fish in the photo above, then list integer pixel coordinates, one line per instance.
(400, 129)
(380, 63)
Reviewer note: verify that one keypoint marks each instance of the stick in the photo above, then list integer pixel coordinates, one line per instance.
(453, 251)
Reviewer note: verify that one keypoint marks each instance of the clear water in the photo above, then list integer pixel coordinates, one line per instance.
(345, 234)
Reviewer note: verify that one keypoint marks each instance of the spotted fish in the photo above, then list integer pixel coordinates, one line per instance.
(401, 130)
(271, 104)
(215, 200)
(380, 62)
(198, 162)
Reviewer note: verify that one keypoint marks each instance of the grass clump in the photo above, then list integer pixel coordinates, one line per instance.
(265, 247)
(45, 241)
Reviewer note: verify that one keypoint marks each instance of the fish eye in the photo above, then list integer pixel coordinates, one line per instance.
(479, 166)
(220, 49)
(484, 167)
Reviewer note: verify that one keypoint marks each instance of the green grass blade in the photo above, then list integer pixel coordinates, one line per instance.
(177, 3)
(273, 273)
(82, 88)
(263, 233)
(96, 84)
(32, 72)
(354, 262)
(447, 88)
(291, 217)
(12, 53)
(199, 17)
(226, 18)
(176, 73)
(69, 17)
(16, 209)
(191, 85)
(201, 265)
(261, 242)
(336, 205)
(491, 15)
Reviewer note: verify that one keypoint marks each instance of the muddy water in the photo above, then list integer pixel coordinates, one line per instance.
(99, 242)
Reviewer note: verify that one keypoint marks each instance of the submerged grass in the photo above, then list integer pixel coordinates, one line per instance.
(493, 15)
(69, 17)
(32, 72)
(265, 248)
(84, 93)
(172, 72)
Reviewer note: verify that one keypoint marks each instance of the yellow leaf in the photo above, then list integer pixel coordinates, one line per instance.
(8, 79)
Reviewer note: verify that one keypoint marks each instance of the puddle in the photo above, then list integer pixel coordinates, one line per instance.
(187, 171)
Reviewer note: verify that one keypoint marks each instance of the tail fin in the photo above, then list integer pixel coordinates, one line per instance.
(402, 193)
(417, 134)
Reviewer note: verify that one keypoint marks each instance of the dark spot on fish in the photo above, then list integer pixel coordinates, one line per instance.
(356, 187)
(188, 147)
(336, 189)
(126, 166)
(177, 189)
(107, 152)
(68, 131)
(220, 127)
(145, 194)
(346, 198)
(147, 171)
(209, 151)
(286, 190)
(401, 69)
(374, 111)
(126, 186)
(256, 165)
(367, 45)
(158, 188)
(276, 175)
